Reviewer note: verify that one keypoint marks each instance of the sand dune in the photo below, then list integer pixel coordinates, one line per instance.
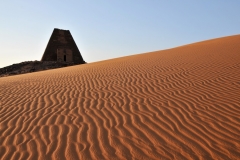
(180, 103)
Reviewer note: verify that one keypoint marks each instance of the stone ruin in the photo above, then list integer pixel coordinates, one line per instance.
(61, 51)
(62, 48)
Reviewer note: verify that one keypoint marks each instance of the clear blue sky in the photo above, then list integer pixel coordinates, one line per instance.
(105, 29)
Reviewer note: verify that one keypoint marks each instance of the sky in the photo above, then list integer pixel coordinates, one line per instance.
(106, 29)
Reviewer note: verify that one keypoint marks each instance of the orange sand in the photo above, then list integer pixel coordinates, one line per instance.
(180, 103)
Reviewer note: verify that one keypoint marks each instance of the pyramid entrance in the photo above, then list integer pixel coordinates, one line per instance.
(64, 55)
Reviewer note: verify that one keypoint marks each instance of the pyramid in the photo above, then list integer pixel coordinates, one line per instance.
(62, 48)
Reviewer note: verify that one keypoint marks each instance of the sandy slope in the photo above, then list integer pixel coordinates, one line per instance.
(181, 103)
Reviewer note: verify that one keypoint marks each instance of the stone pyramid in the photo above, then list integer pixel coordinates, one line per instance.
(62, 48)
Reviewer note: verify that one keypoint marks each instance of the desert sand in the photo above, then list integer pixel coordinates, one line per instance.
(179, 103)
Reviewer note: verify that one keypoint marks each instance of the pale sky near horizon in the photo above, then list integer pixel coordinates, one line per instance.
(106, 29)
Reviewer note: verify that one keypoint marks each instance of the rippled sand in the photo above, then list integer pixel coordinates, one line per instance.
(180, 103)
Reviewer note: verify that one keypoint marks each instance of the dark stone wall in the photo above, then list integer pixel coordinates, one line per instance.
(61, 39)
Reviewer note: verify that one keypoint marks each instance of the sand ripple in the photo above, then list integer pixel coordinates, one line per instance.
(181, 103)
